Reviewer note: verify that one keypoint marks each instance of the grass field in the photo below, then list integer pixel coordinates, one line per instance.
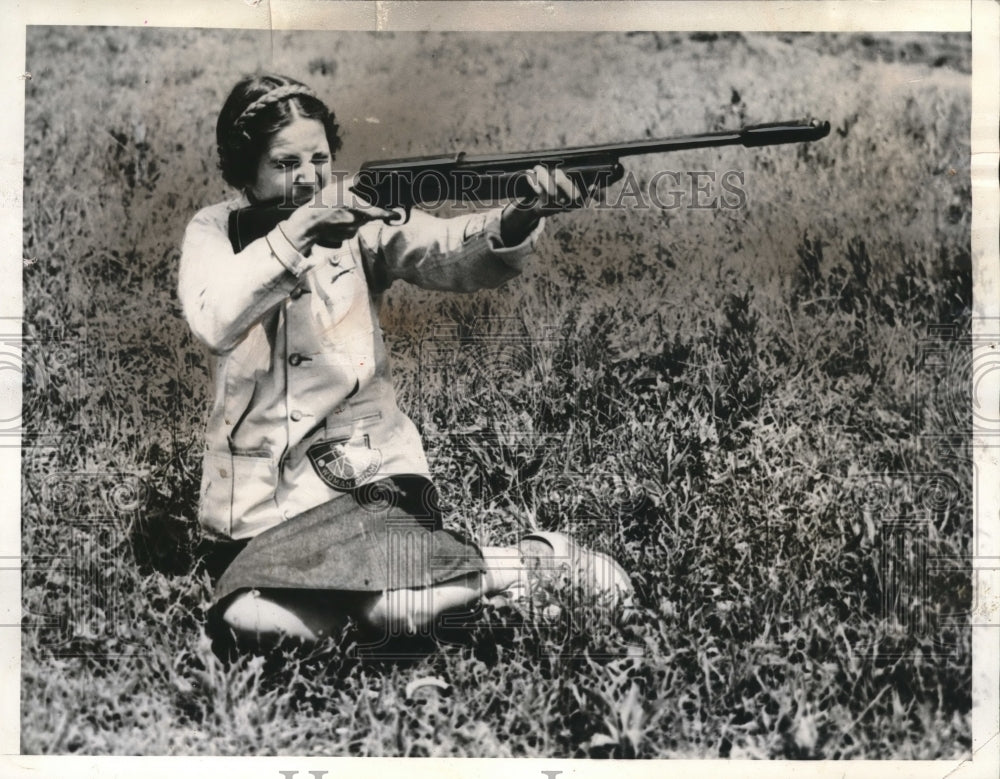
(760, 411)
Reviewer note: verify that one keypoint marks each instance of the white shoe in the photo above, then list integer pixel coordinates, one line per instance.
(595, 574)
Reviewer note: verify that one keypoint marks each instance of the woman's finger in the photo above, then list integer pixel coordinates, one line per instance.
(339, 216)
(369, 213)
(534, 180)
(549, 182)
(568, 191)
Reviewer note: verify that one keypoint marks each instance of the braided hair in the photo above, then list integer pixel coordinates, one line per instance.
(258, 108)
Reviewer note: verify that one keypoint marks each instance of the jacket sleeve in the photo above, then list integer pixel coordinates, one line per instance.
(223, 294)
(461, 254)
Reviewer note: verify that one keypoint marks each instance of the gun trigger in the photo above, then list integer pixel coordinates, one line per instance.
(400, 216)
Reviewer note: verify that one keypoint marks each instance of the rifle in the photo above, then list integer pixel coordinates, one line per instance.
(398, 185)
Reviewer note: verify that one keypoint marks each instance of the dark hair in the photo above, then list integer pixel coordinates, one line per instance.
(242, 139)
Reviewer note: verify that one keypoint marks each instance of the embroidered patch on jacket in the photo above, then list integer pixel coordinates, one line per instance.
(344, 465)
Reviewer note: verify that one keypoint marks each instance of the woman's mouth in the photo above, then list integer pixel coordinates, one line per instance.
(303, 193)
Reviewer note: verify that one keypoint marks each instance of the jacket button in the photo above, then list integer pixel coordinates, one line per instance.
(295, 359)
(296, 415)
(298, 292)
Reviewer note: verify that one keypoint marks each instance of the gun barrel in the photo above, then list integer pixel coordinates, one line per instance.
(784, 132)
(795, 131)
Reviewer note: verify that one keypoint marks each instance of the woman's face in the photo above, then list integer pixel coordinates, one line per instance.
(296, 163)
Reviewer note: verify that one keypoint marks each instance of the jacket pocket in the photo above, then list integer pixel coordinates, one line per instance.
(238, 492)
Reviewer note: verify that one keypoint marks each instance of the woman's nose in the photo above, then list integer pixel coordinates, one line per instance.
(309, 175)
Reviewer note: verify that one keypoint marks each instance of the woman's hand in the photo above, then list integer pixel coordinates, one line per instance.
(335, 215)
(554, 193)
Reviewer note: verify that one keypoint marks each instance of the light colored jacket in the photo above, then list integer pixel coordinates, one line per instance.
(304, 407)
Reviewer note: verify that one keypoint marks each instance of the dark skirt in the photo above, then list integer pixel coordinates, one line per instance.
(382, 536)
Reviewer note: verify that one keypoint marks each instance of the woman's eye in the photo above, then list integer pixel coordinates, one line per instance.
(284, 164)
